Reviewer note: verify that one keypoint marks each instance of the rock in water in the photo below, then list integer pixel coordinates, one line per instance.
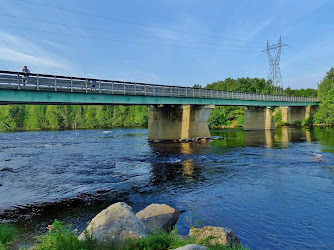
(158, 217)
(116, 223)
(192, 247)
(218, 235)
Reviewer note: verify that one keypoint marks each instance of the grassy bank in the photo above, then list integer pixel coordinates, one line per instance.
(8, 234)
(62, 237)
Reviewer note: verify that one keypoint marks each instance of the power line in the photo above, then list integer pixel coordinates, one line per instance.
(132, 22)
(116, 32)
(122, 41)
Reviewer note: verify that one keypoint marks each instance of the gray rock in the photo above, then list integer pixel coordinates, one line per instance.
(116, 223)
(8, 169)
(192, 247)
(218, 235)
(158, 217)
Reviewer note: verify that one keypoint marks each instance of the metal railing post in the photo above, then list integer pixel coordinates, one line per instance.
(153, 90)
(71, 84)
(186, 91)
(193, 92)
(100, 86)
(162, 90)
(37, 82)
(171, 91)
(55, 83)
(86, 83)
(18, 80)
(124, 90)
(135, 89)
(112, 87)
(145, 89)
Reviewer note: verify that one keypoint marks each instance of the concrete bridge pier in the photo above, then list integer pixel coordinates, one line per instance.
(298, 113)
(175, 122)
(258, 118)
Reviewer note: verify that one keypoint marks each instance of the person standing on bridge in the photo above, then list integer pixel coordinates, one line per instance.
(25, 75)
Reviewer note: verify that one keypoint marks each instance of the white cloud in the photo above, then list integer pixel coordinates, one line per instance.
(18, 51)
(53, 44)
(252, 33)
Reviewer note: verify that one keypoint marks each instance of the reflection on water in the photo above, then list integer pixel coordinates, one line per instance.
(280, 138)
(264, 185)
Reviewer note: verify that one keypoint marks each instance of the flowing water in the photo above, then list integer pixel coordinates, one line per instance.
(274, 189)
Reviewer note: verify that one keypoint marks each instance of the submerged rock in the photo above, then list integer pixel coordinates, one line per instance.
(217, 235)
(192, 247)
(116, 223)
(8, 169)
(158, 217)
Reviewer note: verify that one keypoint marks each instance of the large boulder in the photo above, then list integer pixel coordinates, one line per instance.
(158, 217)
(192, 247)
(116, 223)
(217, 235)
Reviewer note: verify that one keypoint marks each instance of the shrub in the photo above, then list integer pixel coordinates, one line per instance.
(278, 116)
(280, 123)
(7, 235)
(60, 237)
(309, 121)
(297, 123)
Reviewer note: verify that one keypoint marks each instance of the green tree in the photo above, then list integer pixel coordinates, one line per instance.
(326, 97)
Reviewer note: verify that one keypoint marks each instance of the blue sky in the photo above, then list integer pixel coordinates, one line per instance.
(198, 41)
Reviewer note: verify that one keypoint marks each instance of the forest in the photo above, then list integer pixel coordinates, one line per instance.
(53, 117)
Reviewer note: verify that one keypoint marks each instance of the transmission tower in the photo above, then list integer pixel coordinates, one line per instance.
(274, 68)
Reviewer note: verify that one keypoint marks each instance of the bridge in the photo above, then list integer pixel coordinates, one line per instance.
(176, 113)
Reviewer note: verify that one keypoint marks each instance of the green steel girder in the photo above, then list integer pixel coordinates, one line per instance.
(43, 97)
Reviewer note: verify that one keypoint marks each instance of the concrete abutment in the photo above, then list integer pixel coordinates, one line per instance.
(299, 113)
(175, 122)
(258, 118)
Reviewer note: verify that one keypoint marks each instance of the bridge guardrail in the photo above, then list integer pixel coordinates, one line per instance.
(42, 82)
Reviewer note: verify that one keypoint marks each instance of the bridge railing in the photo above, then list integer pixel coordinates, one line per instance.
(42, 82)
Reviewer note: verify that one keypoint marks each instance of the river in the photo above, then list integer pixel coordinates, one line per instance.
(274, 189)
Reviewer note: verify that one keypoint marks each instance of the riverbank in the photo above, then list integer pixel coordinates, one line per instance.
(117, 227)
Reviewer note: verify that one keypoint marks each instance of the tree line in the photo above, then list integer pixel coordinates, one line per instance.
(46, 117)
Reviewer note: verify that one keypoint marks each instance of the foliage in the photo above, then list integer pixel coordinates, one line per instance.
(159, 240)
(326, 97)
(7, 235)
(191, 218)
(280, 123)
(300, 92)
(62, 237)
(278, 116)
(230, 115)
(253, 85)
(36, 117)
(309, 121)
(297, 123)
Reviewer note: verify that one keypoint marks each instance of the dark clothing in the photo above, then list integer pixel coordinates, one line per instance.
(25, 75)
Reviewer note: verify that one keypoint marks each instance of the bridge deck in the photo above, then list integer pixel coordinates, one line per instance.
(52, 89)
